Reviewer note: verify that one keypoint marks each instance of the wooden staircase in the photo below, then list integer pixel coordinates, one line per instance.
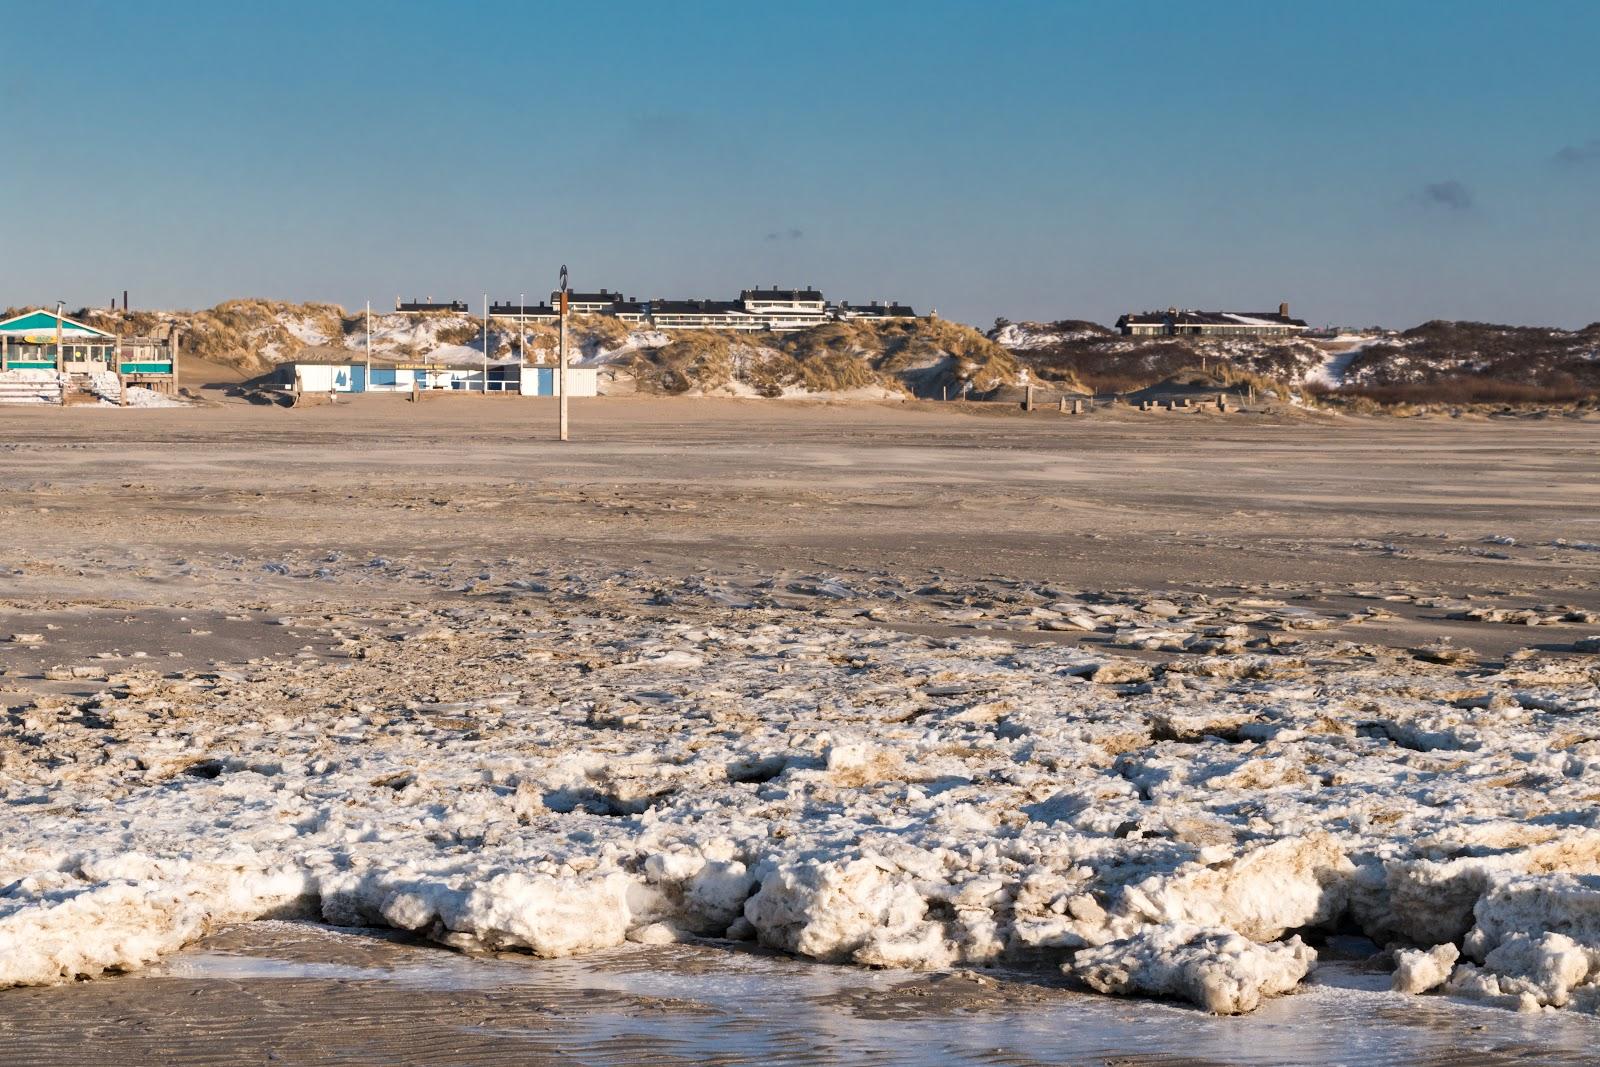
(78, 391)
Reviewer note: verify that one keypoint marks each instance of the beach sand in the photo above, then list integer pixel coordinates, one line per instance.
(181, 539)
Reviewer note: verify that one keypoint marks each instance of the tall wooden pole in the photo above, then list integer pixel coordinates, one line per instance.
(561, 363)
(366, 382)
(485, 344)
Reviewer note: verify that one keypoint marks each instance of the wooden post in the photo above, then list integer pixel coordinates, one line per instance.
(947, 391)
(561, 364)
(1027, 398)
(1062, 406)
(174, 361)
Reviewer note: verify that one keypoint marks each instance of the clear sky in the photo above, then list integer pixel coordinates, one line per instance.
(1369, 162)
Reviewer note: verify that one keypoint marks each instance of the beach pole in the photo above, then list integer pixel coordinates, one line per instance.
(485, 344)
(561, 358)
(366, 381)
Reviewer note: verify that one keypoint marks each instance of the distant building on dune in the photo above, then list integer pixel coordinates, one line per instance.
(874, 311)
(601, 303)
(1183, 322)
(525, 312)
(771, 310)
(631, 310)
(415, 306)
(702, 315)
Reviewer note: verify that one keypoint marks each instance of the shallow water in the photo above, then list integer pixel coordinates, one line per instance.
(290, 992)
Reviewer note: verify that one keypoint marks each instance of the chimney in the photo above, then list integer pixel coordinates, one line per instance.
(1283, 309)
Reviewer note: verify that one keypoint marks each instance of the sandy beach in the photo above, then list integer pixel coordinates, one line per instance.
(314, 665)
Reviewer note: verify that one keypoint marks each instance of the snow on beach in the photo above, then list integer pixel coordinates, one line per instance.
(560, 763)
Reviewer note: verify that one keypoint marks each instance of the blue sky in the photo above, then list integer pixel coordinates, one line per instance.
(1368, 162)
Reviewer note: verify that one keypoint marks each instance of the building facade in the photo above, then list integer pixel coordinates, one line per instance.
(1183, 322)
(771, 310)
(43, 340)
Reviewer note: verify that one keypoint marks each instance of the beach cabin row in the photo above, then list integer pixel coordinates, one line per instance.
(512, 379)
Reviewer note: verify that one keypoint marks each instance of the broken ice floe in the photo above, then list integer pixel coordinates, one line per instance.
(596, 767)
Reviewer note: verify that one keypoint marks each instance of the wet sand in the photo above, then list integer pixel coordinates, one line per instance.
(185, 536)
(276, 992)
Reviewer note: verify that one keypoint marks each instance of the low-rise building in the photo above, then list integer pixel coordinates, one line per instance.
(600, 303)
(414, 306)
(43, 340)
(773, 310)
(875, 311)
(348, 376)
(524, 312)
(631, 310)
(701, 315)
(1184, 322)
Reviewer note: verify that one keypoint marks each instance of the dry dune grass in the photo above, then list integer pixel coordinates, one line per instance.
(694, 361)
(921, 357)
(257, 329)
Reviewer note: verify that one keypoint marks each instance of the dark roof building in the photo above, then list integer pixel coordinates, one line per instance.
(874, 310)
(589, 303)
(781, 296)
(509, 310)
(1176, 322)
(458, 306)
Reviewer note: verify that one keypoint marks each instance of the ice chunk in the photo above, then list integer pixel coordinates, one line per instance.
(1213, 967)
(828, 910)
(1417, 971)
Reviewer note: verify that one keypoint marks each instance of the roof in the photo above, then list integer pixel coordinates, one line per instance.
(424, 305)
(512, 310)
(41, 321)
(793, 295)
(602, 297)
(1187, 317)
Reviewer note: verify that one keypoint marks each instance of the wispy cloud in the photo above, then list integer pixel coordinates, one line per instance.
(1580, 155)
(1448, 194)
(790, 234)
